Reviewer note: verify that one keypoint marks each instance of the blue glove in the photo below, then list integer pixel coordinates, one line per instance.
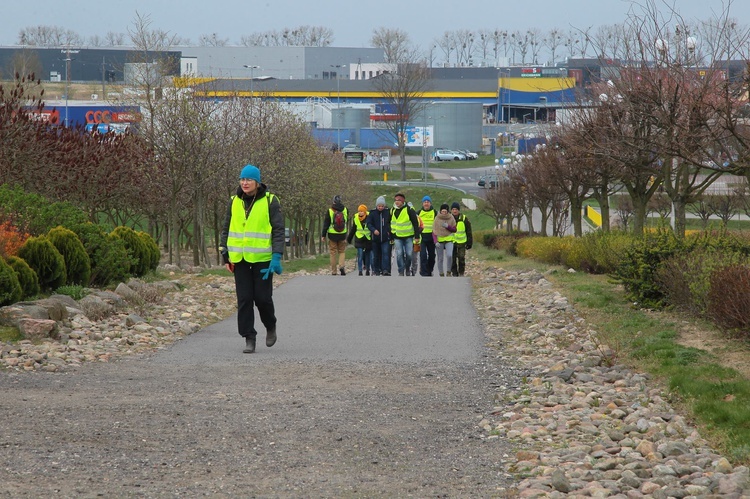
(274, 266)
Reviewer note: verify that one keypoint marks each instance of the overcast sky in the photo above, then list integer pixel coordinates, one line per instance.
(352, 21)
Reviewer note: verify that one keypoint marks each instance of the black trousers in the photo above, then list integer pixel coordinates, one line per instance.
(427, 255)
(458, 259)
(253, 290)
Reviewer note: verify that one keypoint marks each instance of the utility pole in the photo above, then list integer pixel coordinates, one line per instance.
(67, 83)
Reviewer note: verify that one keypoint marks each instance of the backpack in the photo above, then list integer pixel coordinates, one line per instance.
(339, 222)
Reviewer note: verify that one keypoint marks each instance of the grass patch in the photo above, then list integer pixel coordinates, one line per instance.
(10, 334)
(717, 397)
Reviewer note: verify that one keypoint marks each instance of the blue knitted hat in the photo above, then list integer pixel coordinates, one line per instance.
(251, 172)
(427, 198)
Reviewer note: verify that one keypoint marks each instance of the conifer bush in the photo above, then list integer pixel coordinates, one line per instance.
(109, 257)
(45, 260)
(136, 250)
(152, 250)
(10, 288)
(26, 277)
(77, 262)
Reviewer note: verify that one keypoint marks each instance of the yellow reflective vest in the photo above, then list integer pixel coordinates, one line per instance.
(459, 237)
(362, 229)
(401, 226)
(249, 236)
(428, 217)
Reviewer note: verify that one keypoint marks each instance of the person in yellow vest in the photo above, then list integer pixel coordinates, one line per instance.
(462, 241)
(427, 251)
(404, 230)
(443, 228)
(251, 245)
(360, 234)
(335, 227)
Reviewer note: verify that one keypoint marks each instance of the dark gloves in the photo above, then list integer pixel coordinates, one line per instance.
(224, 255)
(274, 266)
(468, 246)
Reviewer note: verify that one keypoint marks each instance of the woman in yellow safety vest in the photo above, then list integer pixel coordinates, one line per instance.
(360, 234)
(251, 244)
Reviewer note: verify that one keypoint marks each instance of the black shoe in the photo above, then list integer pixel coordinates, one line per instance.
(360, 273)
(271, 336)
(367, 273)
(249, 345)
(386, 273)
(342, 271)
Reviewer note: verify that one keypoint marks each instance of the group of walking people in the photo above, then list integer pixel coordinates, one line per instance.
(420, 239)
(252, 244)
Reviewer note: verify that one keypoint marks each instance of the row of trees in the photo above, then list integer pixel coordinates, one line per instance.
(658, 124)
(175, 176)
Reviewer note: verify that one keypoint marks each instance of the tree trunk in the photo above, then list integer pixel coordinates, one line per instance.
(576, 217)
(679, 208)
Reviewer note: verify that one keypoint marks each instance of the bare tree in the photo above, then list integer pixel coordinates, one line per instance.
(48, 36)
(536, 41)
(464, 47)
(403, 90)
(447, 44)
(553, 41)
(394, 42)
(114, 39)
(212, 40)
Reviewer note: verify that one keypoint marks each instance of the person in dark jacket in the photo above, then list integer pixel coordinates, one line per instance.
(336, 237)
(404, 231)
(359, 232)
(463, 239)
(379, 223)
(251, 245)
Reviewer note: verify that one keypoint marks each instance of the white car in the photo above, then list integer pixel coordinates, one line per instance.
(469, 154)
(448, 155)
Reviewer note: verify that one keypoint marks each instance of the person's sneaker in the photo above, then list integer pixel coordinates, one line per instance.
(271, 336)
(249, 345)
(367, 273)
(386, 273)
(360, 273)
(401, 274)
(342, 270)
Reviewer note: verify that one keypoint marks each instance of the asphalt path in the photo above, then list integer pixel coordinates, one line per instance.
(352, 318)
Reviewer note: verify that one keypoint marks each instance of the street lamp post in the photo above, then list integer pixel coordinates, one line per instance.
(251, 68)
(67, 83)
(338, 103)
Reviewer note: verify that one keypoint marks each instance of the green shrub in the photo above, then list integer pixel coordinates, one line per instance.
(548, 250)
(137, 250)
(10, 288)
(35, 214)
(77, 262)
(45, 260)
(152, 250)
(640, 262)
(76, 292)
(26, 277)
(598, 252)
(109, 257)
(685, 278)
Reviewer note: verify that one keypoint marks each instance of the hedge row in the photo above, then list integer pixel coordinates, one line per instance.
(706, 274)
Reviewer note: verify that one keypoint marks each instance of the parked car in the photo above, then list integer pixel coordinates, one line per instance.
(448, 155)
(469, 154)
(350, 147)
(488, 181)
